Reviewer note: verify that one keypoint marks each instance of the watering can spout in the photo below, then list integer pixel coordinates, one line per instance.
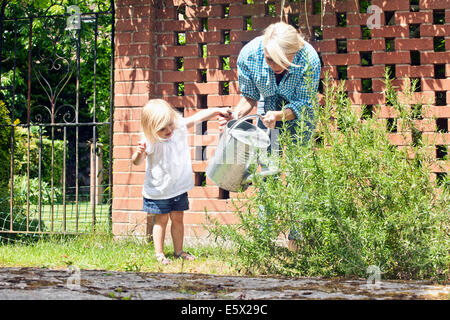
(262, 174)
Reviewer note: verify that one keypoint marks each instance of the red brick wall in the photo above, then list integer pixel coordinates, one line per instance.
(135, 65)
(147, 59)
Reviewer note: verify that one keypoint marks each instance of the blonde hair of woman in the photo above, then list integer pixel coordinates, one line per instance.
(281, 41)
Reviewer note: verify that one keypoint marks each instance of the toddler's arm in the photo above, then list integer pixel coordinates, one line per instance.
(208, 114)
(140, 153)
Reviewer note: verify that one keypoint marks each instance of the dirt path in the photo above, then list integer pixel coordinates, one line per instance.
(74, 284)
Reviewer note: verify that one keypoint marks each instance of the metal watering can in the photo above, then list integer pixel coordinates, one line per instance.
(238, 149)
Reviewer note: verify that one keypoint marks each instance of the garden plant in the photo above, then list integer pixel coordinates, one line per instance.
(354, 200)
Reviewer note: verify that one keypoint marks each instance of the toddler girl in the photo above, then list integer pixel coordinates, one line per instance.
(168, 175)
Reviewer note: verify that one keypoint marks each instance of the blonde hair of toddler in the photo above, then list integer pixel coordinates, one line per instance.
(156, 115)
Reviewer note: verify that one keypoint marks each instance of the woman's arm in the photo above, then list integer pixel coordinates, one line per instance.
(207, 114)
(271, 117)
(244, 106)
(306, 92)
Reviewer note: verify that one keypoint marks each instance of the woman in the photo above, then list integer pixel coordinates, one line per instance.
(279, 66)
(282, 71)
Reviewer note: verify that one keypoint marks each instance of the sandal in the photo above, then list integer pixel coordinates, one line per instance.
(161, 258)
(185, 256)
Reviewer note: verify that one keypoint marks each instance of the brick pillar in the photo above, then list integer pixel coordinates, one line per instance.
(134, 85)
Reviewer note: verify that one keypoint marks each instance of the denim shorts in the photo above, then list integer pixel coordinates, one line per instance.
(178, 203)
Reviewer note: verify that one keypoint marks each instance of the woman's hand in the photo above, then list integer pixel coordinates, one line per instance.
(270, 119)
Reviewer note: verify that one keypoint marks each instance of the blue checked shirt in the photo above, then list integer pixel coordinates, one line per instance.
(298, 87)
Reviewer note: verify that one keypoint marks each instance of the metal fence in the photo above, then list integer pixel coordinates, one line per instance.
(56, 107)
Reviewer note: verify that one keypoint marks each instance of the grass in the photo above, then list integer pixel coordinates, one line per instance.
(99, 250)
(102, 252)
(76, 219)
(85, 213)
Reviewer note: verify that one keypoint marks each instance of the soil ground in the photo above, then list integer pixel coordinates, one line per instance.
(74, 284)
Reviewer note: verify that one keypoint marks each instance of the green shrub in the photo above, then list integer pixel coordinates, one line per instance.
(21, 168)
(20, 182)
(5, 152)
(21, 155)
(46, 192)
(353, 199)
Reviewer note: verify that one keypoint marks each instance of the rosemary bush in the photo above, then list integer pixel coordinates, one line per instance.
(353, 198)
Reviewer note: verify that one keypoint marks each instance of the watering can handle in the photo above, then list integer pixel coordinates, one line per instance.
(239, 121)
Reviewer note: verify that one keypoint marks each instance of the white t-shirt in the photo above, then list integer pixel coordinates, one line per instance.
(169, 168)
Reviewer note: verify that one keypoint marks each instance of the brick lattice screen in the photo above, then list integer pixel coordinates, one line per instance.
(186, 52)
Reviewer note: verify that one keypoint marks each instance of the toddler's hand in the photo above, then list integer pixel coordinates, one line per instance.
(225, 115)
(141, 147)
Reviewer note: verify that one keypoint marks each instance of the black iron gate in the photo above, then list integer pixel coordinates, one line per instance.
(56, 111)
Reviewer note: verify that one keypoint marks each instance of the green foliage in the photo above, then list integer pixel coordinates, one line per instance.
(226, 63)
(248, 24)
(5, 152)
(271, 10)
(352, 200)
(439, 44)
(54, 87)
(21, 155)
(204, 50)
(53, 78)
(366, 33)
(363, 6)
(43, 190)
(180, 88)
(19, 222)
(5, 138)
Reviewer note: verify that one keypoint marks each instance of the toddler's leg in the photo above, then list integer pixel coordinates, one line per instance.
(178, 236)
(159, 232)
(177, 230)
